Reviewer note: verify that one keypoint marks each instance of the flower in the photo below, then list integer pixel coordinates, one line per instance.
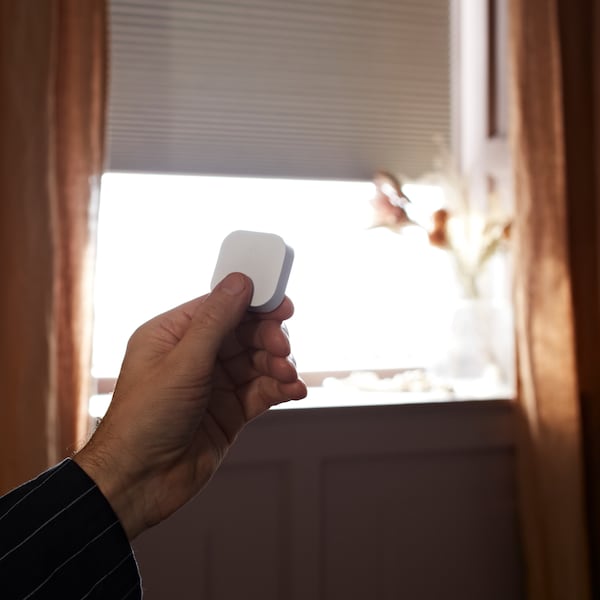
(389, 202)
(438, 235)
(470, 234)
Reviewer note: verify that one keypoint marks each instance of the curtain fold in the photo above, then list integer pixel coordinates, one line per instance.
(52, 106)
(580, 51)
(555, 111)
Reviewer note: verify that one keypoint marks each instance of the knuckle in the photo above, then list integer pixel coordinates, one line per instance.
(136, 337)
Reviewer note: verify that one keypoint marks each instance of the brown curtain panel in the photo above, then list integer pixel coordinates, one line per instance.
(556, 114)
(52, 106)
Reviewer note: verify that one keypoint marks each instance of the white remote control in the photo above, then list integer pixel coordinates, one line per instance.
(265, 258)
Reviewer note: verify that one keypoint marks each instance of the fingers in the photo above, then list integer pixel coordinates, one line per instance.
(280, 368)
(261, 331)
(213, 319)
(283, 312)
(244, 367)
(260, 335)
(262, 393)
(170, 327)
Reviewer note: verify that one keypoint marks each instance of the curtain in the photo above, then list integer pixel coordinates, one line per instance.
(556, 114)
(52, 106)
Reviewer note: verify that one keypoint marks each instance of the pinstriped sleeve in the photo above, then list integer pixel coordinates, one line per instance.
(60, 538)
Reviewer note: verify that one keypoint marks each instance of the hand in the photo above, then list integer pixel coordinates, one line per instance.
(191, 379)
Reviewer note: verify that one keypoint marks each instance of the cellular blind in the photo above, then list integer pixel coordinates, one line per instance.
(330, 89)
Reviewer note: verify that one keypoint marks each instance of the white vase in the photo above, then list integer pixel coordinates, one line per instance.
(480, 342)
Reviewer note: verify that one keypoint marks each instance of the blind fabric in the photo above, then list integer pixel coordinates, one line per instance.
(330, 89)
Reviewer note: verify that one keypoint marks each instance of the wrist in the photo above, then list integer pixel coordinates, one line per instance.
(120, 493)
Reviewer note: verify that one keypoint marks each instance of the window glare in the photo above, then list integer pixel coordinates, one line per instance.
(364, 298)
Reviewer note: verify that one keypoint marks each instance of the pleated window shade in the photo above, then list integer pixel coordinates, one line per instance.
(330, 89)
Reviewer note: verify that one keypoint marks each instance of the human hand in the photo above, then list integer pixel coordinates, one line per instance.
(191, 379)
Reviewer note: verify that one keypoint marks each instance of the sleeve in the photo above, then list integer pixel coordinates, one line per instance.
(60, 538)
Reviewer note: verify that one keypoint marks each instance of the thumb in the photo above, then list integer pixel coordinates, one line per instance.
(220, 312)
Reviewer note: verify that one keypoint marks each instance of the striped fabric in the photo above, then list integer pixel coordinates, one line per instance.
(60, 538)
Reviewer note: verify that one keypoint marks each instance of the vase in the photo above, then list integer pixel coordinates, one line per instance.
(479, 343)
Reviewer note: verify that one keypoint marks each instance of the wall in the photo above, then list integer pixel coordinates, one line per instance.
(407, 501)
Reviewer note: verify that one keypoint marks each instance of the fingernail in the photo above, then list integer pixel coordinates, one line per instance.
(292, 360)
(234, 284)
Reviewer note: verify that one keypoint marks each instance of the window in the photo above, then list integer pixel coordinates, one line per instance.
(367, 299)
(374, 310)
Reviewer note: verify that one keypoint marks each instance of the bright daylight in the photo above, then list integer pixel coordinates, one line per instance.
(366, 298)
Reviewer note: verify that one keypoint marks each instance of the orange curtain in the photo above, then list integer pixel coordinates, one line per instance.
(52, 106)
(556, 113)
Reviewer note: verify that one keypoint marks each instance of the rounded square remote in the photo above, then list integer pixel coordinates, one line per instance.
(265, 258)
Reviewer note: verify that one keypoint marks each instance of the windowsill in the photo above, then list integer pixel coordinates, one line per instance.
(408, 386)
(367, 388)
(332, 397)
(323, 397)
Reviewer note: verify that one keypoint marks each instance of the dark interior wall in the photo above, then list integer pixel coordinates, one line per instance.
(408, 501)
